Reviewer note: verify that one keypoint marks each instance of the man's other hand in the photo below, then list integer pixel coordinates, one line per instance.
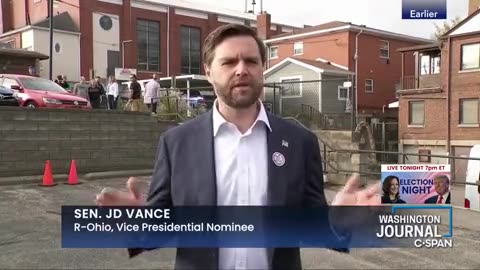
(352, 195)
(132, 197)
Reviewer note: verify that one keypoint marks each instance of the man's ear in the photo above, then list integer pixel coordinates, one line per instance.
(208, 73)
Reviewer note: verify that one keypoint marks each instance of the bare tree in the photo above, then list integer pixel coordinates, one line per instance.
(441, 29)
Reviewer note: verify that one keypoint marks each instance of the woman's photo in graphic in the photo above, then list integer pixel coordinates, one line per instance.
(391, 190)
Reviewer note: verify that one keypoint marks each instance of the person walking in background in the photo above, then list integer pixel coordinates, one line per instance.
(61, 81)
(112, 93)
(65, 83)
(81, 88)
(134, 104)
(95, 92)
(152, 94)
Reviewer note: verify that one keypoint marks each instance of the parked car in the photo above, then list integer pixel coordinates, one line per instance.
(33, 92)
(472, 188)
(7, 97)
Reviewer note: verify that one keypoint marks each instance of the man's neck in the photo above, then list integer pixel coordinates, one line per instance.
(242, 118)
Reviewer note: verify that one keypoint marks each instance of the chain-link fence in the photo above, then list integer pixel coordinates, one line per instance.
(319, 104)
(322, 104)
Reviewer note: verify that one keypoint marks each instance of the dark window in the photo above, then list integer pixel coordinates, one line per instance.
(148, 45)
(384, 48)
(425, 155)
(190, 50)
(429, 64)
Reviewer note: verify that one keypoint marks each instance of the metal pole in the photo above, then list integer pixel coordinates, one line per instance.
(355, 107)
(123, 54)
(188, 99)
(384, 145)
(50, 59)
(274, 99)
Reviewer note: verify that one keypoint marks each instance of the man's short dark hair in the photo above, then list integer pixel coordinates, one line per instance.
(444, 177)
(226, 31)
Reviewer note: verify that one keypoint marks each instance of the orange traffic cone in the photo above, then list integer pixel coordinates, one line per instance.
(48, 176)
(73, 177)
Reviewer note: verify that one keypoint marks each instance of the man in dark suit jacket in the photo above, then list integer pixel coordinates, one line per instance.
(238, 154)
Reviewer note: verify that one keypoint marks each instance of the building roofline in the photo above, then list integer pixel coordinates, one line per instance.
(23, 53)
(30, 27)
(56, 30)
(444, 36)
(425, 47)
(349, 28)
(305, 65)
(212, 9)
(15, 31)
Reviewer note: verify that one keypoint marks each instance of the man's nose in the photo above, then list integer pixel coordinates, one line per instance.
(241, 69)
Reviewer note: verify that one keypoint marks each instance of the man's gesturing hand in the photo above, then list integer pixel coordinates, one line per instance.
(352, 195)
(133, 196)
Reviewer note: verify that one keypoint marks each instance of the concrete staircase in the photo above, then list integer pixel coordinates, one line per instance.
(339, 165)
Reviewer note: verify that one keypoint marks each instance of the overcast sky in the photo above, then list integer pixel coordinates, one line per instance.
(382, 14)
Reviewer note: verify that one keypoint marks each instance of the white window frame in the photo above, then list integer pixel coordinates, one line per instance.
(366, 85)
(300, 78)
(338, 93)
(382, 48)
(298, 48)
(271, 50)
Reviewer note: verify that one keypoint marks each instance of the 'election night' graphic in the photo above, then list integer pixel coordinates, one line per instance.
(424, 9)
(416, 184)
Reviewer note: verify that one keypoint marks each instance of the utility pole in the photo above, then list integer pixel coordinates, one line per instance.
(50, 59)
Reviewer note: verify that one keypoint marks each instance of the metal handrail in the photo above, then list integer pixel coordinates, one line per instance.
(352, 151)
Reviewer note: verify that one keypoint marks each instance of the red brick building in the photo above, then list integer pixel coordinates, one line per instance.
(378, 65)
(439, 103)
(163, 37)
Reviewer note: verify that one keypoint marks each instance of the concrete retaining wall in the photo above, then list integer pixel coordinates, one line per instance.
(97, 140)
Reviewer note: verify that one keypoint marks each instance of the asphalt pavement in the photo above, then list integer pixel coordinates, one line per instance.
(30, 238)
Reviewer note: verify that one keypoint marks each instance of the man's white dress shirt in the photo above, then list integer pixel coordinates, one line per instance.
(444, 198)
(242, 179)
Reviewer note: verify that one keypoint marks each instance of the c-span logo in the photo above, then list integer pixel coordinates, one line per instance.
(424, 9)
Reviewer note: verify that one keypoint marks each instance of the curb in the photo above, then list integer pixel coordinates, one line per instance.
(115, 174)
(32, 179)
(38, 179)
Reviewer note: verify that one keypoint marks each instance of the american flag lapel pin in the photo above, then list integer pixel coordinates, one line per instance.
(284, 143)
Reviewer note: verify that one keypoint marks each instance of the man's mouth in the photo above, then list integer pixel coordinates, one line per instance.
(241, 85)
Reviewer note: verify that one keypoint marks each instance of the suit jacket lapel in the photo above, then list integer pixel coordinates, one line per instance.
(206, 174)
(277, 172)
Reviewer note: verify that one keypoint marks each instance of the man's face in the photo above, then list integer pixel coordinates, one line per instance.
(441, 186)
(236, 72)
